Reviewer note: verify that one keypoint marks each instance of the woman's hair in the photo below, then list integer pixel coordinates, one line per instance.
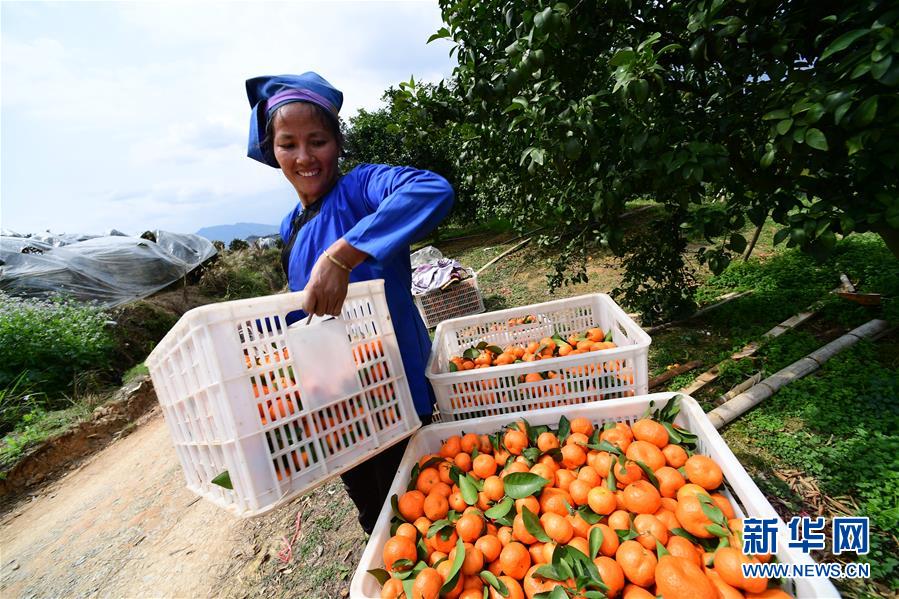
(326, 119)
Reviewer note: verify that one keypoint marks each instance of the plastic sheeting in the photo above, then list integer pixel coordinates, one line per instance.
(109, 270)
(426, 255)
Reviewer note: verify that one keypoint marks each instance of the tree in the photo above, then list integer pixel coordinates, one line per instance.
(237, 245)
(412, 130)
(725, 110)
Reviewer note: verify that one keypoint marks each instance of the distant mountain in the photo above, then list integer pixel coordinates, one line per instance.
(226, 233)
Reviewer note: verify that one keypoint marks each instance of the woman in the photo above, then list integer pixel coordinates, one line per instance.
(346, 228)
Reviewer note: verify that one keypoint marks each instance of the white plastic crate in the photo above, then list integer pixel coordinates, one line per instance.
(745, 496)
(459, 299)
(580, 378)
(241, 392)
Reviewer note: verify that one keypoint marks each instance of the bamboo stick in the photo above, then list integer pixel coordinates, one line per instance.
(503, 255)
(744, 402)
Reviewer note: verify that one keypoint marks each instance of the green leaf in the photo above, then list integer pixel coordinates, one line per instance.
(711, 511)
(500, 509)
(683, 533)
(737, 243)
(452, 367)
(611, 484)
(223, 480)
(380, 574)
(532, 524)
(469, 489)
(441, 33)
(413, 478)
(718, 531)
(491, 579)
(403, 565)
(605, 446)
(471, 353)
(453, 574)
(588, 515)
(596, 539)
(660, 549)
(622, 57)
(879, 68)
(549, 572)
(815, 139)
(780, 113)
(495, 349)
(842, 42)
(767, 158)
(564, 429)
(626, 535)
(781, 236)
(649, 473)
(854, 144)
(519, 485)
(865, 113)
(438, 526)
(840, 111)
(394, 503)
(784, 126)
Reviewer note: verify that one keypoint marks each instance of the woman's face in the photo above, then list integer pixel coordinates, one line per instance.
(306, 150)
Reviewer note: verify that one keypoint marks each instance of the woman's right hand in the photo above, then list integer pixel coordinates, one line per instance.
(326, 289)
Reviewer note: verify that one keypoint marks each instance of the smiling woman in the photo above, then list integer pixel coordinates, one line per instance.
(347, 228)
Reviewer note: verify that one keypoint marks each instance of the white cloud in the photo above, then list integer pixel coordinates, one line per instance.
(144, 119)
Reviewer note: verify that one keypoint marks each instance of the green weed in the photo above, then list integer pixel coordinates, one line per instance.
(51, 343)
(841, 427)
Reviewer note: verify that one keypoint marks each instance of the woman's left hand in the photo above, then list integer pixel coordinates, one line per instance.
(327, 286)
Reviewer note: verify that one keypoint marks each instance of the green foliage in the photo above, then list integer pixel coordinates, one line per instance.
(237, 245)
(134, 372)
(790, 281)
(17, 400)
(243, 274)
(657, 282)
(51, 343)
(140, 325)
(569, 111)
(411, 131)
(842, 428)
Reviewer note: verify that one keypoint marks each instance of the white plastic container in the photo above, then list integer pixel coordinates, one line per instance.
(581, 378)
(459, 299)
(245, 394)
(743, 493)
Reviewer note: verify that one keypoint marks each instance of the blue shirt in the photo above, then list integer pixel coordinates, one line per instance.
(379, 210)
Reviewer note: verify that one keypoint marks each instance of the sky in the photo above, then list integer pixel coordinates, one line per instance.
(134, 115)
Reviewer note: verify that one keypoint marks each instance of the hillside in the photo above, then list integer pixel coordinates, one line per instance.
(237, 231)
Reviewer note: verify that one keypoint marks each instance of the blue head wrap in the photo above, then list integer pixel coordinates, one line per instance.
(268, 93)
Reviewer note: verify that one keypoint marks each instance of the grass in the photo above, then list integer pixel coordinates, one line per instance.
(840, 428)
(38, 425)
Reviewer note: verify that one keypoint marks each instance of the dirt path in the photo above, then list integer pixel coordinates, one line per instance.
(124, 525)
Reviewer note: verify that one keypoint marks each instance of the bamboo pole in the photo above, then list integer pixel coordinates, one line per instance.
(673, 372)
(749, 349)
(503, 255)
(744, 402)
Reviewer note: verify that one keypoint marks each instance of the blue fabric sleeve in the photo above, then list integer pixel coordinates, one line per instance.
(404, 205)
(285, 225)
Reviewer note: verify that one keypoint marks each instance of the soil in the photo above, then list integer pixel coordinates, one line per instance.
(123, 524)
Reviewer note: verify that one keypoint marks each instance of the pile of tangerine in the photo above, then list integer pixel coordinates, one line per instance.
(572, 512)
(485, 356)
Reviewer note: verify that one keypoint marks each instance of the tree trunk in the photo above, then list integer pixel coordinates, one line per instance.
(755, 238)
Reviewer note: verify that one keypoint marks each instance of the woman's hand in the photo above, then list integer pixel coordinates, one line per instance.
(327, 286)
